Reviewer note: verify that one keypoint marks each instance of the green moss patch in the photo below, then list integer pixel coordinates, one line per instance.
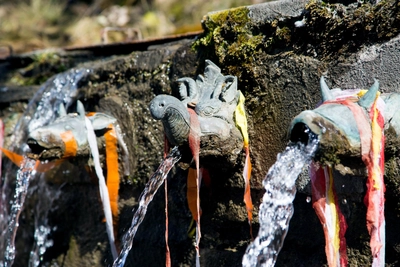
(233, 38)
(329, 31)
(335, 30)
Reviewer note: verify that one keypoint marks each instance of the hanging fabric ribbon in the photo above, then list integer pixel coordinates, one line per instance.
(374, 199)
(191, 193)
(113, 178)
(371, 130)
(241, 123)
(194, 145)
(39, 166)
(14, 157)
(372, 152)
(167, 252)
(102, 186)
(326, 206)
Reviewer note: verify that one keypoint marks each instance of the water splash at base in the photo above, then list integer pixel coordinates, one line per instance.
(276, 210)
(145, 198)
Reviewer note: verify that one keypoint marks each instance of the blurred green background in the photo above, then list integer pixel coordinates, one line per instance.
(27, 25)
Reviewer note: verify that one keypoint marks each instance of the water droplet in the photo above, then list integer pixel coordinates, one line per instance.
(308, 199)
(344, 201)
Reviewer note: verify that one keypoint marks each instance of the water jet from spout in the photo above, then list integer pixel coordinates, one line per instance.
(276, 209)
(145, 198)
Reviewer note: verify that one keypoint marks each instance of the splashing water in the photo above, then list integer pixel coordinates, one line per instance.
(43, 107)
(144, 200)
(46, 195)
(25, 172)
(276, 210)
(40, 245)
(41, 110)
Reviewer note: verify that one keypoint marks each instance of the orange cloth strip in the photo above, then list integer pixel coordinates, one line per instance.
(14, 157)
(44, 167)
(39, 166)
(241, 124)
(112, 171)
(71, 147)
(247, 196)
(90, 114)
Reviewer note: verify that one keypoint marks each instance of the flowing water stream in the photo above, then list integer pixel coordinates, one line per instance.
(46, 195)
(42, 109)
(24, 175)
(276, 209)
(145, 198)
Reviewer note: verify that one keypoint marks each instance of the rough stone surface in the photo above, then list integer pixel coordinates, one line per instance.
(278, 66)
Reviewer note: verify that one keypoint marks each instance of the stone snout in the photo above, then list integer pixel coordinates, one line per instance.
(67, 135)
(338, 125)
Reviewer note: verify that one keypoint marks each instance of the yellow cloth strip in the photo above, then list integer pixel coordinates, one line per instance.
(335, 227)
(241, 124)
(376, 148)
(241, 120)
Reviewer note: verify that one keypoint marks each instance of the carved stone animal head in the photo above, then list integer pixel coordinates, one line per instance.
(214, 98)
(66, 136)
(334, 122)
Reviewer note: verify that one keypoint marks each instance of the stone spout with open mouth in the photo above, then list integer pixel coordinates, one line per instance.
(350, 124)
(84, 135)
(66, 136)
(335, 123)
(334, 120)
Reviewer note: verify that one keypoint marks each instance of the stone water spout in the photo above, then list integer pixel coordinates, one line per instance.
(206, 119)
(67, 135)
(334, 122)
(351, 127)
(213, 97)
(74, 135)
